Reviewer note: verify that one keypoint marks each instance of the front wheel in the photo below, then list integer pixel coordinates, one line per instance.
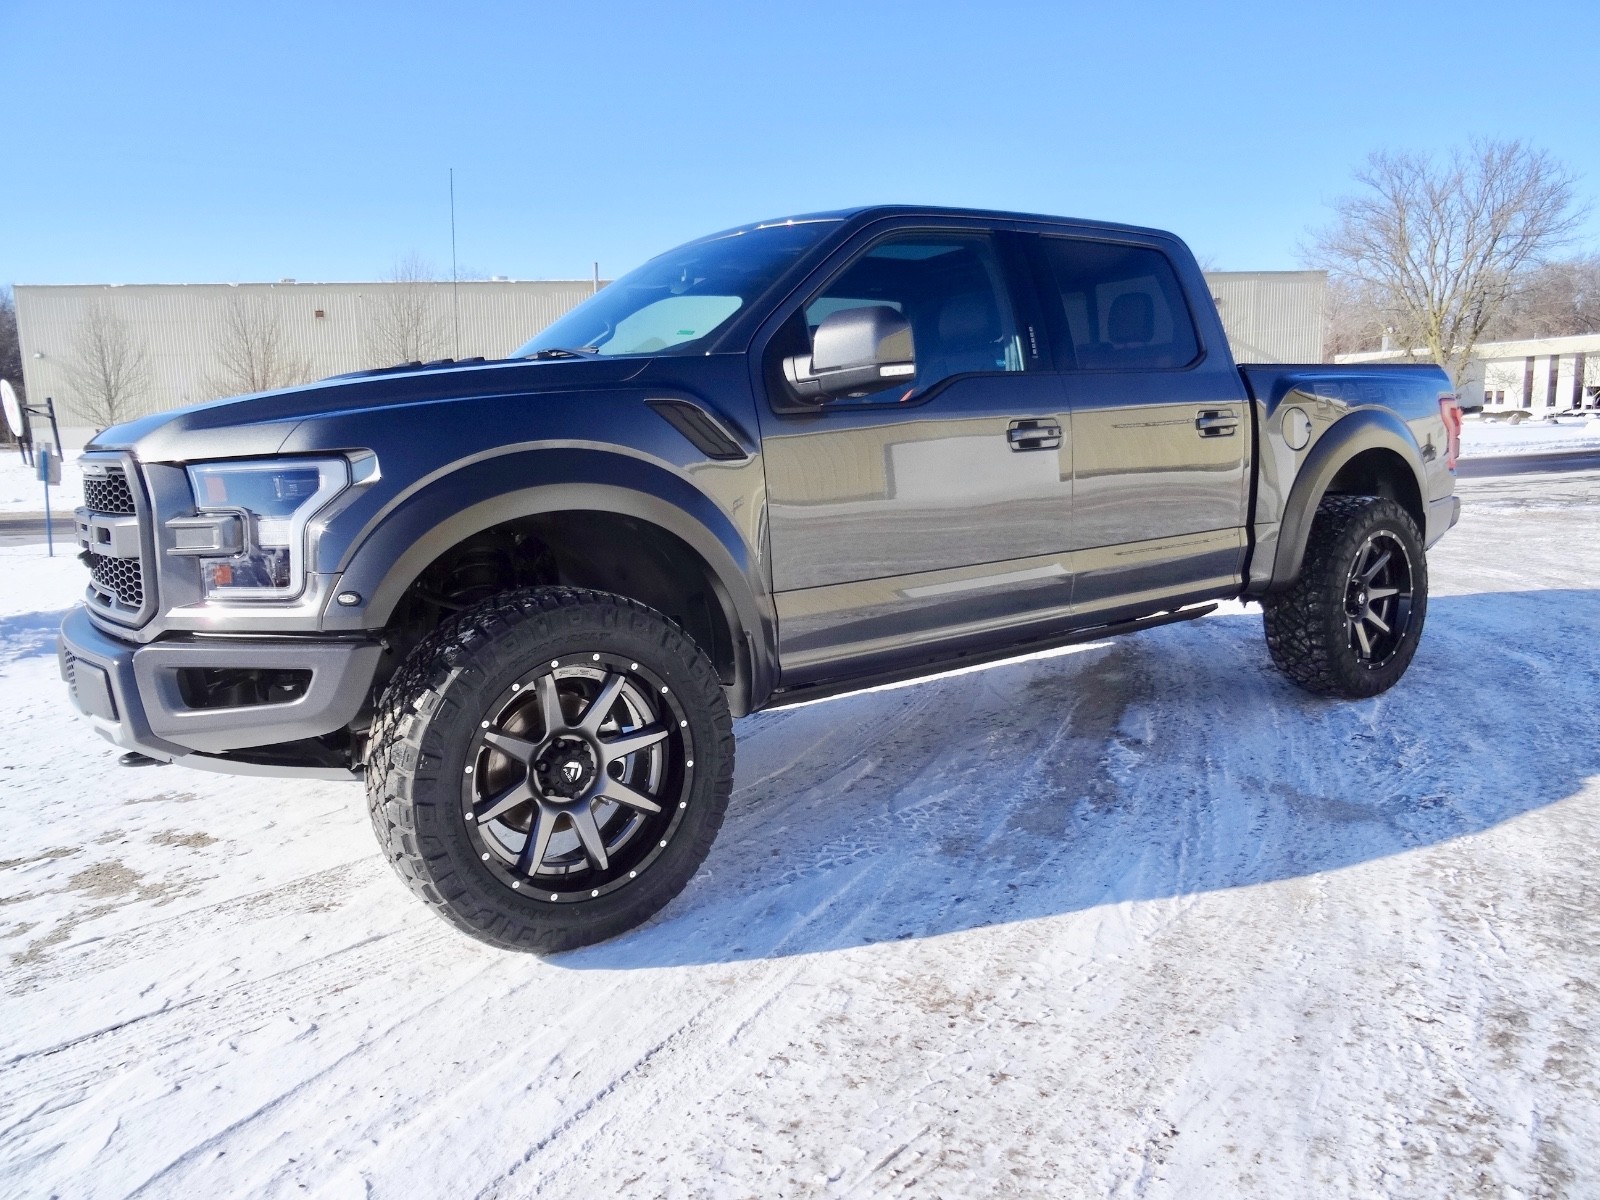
(1349, 626)
(549, 768)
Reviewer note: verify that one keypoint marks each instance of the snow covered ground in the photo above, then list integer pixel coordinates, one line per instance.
(1134, 920)
(22, 492)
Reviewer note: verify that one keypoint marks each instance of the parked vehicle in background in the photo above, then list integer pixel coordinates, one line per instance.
(525, 599)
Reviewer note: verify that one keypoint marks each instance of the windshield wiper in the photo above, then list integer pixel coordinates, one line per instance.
(563, 352)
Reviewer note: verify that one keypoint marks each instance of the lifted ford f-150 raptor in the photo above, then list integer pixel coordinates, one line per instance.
(525, 598)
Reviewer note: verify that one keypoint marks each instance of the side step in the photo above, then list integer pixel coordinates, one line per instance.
(828, 688)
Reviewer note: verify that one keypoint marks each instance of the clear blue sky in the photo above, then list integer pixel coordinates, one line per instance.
(169, 142)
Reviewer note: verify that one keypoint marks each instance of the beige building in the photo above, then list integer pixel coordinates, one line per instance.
(198, 341)
(184, 343)
(1272, 316)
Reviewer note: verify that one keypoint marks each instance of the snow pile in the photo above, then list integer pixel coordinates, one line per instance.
(1480, 438)
(1138, 919)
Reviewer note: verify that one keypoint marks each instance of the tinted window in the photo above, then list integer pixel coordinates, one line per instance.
(948, 286)
(1123, 307)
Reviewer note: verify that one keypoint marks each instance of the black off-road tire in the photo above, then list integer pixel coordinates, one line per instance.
(1310, 626)
(427, 736)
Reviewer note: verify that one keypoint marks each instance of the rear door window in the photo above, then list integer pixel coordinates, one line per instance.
(1121, 306)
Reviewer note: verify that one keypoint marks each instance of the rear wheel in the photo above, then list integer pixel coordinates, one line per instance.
(1351, 623)
(550, 767)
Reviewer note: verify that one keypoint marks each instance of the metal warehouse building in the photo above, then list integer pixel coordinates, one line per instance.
(190, 336)
(195, 342)
(1272, 316)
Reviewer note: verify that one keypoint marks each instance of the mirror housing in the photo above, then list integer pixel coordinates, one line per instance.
(855, 351)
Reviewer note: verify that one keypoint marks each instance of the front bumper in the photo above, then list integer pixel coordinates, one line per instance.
(132, 698)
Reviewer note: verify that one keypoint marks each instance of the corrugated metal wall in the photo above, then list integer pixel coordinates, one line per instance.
(180, 327)
(1272, 316)
(328, 328)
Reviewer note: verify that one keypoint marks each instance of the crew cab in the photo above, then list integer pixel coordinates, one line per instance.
(524, 599)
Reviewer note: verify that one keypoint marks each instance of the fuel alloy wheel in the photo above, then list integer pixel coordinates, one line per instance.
(1350, 624)
(577, 778)
(549, 767)
(1377, 603)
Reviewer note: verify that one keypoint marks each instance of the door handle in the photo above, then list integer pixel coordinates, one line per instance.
(1034, 435)
(1216, 422)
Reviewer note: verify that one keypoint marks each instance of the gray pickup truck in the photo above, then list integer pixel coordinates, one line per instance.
(525, 598)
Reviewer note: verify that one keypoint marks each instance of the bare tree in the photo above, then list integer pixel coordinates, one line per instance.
(1356, 318)
(1553, 299)
(109, 370)
(407, 322)
(252, 351)
(1440, 242)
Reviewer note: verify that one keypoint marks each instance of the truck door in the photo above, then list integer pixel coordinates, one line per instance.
(1161, 431)
(937, 509)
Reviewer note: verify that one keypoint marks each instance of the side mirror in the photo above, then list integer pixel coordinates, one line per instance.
(854, 352)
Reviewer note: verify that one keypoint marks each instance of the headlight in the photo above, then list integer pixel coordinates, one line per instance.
(251, 540)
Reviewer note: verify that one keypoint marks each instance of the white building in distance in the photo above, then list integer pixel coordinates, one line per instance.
(1538, 375)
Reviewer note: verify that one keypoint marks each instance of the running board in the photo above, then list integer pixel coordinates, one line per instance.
(828, 688)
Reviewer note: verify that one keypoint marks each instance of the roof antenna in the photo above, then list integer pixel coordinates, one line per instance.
(455, 281)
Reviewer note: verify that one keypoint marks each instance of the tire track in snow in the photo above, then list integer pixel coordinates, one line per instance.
(233, 1010)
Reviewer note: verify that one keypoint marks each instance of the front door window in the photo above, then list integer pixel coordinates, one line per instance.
(950, 288)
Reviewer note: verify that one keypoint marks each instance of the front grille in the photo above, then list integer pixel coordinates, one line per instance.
(122, 576)
(109, 494)
(113, 526)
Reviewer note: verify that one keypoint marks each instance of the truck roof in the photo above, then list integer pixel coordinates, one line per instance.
(870, 212)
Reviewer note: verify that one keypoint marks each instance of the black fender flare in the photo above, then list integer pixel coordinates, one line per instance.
(476, 494)
(1358, 432)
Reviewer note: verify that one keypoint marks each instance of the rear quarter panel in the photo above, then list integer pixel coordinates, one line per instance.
(1349, 409)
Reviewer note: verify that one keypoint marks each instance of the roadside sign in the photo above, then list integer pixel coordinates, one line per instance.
(8, 395)
(48, 466)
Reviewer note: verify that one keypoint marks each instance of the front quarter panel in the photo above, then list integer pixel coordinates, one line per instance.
(452, 469)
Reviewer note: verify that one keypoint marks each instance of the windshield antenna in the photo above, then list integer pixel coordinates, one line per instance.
(455, 281)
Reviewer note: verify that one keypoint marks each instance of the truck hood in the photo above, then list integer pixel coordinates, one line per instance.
(260, 424)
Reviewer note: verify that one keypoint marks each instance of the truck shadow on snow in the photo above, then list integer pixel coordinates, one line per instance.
(1164, 765)
(23, 635)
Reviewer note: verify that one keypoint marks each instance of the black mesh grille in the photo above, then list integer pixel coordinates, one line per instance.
(122, 576)
(118, 587)
(108, 494)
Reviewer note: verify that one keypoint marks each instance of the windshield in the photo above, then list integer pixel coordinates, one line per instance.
(673, 303)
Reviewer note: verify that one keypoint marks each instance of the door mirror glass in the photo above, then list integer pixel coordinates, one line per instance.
(854, 352)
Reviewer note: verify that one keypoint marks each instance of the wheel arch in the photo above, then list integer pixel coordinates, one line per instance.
(586, 488)
(1370, 452)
